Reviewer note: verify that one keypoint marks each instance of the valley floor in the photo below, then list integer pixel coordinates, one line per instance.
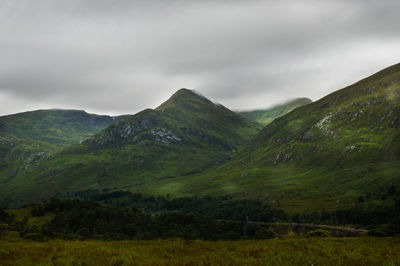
(305, 251)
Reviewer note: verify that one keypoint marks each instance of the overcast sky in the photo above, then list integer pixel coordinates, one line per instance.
(118, 57)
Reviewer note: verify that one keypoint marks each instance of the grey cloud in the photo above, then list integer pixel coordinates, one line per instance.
(123, 56)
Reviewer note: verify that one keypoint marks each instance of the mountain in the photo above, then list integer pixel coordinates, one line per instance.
(355, 125)
(56, 126)
(31, 137)
(330, 154)
(186, 134)
(185, 117)
(266, 116)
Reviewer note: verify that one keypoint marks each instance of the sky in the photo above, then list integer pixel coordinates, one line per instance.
(120, 57)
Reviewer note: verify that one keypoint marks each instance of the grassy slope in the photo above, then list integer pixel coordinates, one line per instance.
(186, 134)
(328, 251)
(28, 138)
(266, 116)
(58, 127)
(324, 155)
(17, 155)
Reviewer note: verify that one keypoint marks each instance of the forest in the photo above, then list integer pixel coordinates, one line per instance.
(122, 215)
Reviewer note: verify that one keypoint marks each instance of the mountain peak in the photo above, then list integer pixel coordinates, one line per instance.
(187, 92)
(184, 98)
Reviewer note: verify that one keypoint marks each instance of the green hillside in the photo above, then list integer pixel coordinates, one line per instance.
(55, 126)
(185, 135)
(17, 155)
(330, 154)
(266, 116)
(28, 138)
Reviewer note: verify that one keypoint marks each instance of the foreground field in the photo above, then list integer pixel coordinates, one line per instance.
(312, 251)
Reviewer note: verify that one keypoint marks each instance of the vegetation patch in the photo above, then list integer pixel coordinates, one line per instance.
(318, 251)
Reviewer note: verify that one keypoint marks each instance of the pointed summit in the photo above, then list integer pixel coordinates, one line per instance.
(190, 108)
(187, 92)
(186, 99)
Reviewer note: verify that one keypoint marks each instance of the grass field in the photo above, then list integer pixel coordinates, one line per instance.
(305, 251)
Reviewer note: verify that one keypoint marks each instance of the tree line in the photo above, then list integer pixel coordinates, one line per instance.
(125, 215)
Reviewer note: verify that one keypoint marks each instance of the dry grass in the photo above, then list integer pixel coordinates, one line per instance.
(328, 251)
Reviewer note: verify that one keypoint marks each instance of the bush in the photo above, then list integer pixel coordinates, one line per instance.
(381, 231)
(318, 233)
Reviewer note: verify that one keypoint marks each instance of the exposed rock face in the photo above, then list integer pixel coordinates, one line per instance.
(143, 130)
(139, 126)
(164, 135)
(128, 130)
(323, 124)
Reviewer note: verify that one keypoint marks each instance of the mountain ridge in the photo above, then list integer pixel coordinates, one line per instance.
(60, 127)
(267, 115)
(186, 134)
(326, 154)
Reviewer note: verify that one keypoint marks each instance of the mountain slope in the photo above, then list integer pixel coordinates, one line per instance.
(324, 155)
(29, 138)
(266, 116)
(359, 122)
(17, 154)
(186, 134)
(55, 126)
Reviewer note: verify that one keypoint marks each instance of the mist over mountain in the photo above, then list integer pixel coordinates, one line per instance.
(266, 116)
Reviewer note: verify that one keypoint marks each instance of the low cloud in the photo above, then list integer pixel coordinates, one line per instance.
(123, 56)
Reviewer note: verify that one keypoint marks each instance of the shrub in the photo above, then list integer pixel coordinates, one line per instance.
(381, 231)
(318, 233)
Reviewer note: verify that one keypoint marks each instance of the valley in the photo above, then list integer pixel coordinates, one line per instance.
(193, 177)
